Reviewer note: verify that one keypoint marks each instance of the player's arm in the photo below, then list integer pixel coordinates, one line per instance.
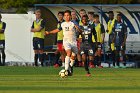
(39, 28)
(3, 28)
(103, 32)
(125, 35)
(78, 28)
(94, 33)
(52, 32)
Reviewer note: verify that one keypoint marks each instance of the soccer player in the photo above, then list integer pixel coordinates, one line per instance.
(120, 41)
(69, 40)
(100, 31)
(82, 12)
(110, 31)
(87, 44)
(60, 41)
(2, 42)
(38, 28)
(91, 18)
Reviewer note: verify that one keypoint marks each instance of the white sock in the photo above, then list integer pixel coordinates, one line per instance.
(72, 62)
(63, 64)
(67, 62)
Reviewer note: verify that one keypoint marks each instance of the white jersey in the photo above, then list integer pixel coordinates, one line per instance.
(69, 31)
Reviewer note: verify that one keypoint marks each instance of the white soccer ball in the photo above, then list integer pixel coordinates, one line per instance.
(63, 73)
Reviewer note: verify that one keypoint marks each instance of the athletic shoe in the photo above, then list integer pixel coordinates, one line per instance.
(88, 75)
(116, 67)
(56, 66)
(100, 66)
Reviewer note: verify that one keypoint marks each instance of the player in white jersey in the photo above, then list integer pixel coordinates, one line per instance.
(69, 40)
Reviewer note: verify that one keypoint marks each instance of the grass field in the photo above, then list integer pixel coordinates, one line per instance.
(46, 80)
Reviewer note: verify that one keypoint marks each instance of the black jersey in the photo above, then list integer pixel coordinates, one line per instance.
(87, 32)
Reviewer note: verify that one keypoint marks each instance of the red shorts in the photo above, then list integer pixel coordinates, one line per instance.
(60, 46)
(78, 44)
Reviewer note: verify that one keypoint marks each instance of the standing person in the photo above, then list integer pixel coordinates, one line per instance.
(60, 48)
(2, 42)
(87, 44)
(100, 31)
(120, 30)
(110, 27)
(38, 28)
(91, 18)
(69, 40)
(82, 12)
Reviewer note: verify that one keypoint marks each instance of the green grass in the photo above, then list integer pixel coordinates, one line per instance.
(46, 80)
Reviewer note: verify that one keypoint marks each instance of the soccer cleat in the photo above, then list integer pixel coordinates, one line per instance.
(69, 73)
(100, 66)
(116, 67)
(91, 66)
(56, 66)
(88, 74)
(80, 64)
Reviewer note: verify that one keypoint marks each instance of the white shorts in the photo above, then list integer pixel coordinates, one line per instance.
(71, 45)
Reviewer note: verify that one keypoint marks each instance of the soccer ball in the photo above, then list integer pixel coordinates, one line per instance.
(63, 73)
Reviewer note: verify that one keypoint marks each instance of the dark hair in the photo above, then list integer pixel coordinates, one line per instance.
(96, 16)
(82, 10)
(61, 12)
(111, 12)
(91, 13)
(84, 16)
(67, 11)
(119, 14)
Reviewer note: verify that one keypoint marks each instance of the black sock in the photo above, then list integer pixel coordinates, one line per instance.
(36, 59)
(41, 58)
(86, 67)
(99, 61)
(3, 57)
(96, 60)
(113, 57)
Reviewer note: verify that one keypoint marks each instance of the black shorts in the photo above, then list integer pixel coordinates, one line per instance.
(87, 48)
(2, 44)
(38, 43)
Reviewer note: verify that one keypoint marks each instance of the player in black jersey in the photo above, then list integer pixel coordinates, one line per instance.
(87, 44)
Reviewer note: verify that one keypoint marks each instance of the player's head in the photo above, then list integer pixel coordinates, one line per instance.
(119, 17)
(82, 12)
(111, 14)
(85, 19)
(67, 15)
(38, 14)
(96, 18)
(60, 15)
(73, 14)
(90, 15)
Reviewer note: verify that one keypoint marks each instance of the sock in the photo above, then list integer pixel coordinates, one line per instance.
(3, 57)
(86, 67)
(72, 62)
(36, 59)
(99, 60)
(41, 58)
(67, 62)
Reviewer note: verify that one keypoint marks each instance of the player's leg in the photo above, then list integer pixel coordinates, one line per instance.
(79, 55)
(3, 53)
(36, 52)
(57, 56)
(41, 51)
(117, 57)
(91, 53)
(113, 55)
(99, 50)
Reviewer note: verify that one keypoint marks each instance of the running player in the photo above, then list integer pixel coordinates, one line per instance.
(87, 44)
(69, 40)
(2, 42)
(100, 39)
(120, 41)
(82, 12)
(60, 48)
(38, 28)
(110, 27)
